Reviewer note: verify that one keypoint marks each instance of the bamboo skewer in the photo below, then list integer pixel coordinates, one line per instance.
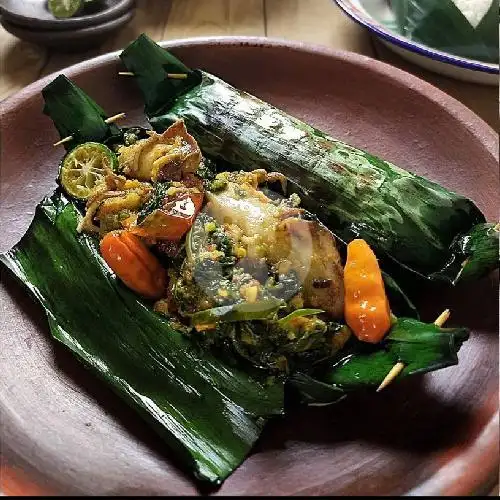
(115, 118)
(111, 119)
(395, 371)
(398, 367)
(173, 76)
(442, 318)
(62, 141)
(177, 76)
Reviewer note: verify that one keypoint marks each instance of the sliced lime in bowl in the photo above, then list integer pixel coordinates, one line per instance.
(65, 8)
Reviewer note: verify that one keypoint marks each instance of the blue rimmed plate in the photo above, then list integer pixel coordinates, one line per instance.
(378, 18)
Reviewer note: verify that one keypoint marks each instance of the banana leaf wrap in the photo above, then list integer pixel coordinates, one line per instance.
(442, 25)
(420, 346)
(79, 116)
(208, 411)
(405, 218)
(207, 406)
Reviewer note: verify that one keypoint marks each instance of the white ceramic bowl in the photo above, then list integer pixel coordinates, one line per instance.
(377, 17)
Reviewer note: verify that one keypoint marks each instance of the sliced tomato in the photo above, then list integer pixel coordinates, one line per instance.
(173, 220)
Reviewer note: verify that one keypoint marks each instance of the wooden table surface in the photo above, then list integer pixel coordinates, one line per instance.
(315, 21)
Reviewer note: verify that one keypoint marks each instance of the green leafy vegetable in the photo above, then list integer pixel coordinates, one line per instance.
(242, 311)
(408, 220)
(156, 201)
(298, 314)
(209, 412)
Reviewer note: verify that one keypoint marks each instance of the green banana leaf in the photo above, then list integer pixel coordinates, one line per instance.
(401, 305)
(471, 251)
(407, 219)
(237, 312)
(208, 409)
(441, 24)
(78, 115)
(420, 346)
(313, 392)
(152, 77)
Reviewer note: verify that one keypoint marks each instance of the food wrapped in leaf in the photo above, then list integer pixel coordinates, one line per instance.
(207, 332)
(410, 222)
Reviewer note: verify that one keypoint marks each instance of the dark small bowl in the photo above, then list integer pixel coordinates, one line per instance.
(34, 14)
(69, 40)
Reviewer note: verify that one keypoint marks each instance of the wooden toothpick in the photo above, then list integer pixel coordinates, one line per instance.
(115, 118)
(173, 76)
(398, 367)
(62, 141)
(111, 119)
(395, 371)
(177, 76)
(442, 318)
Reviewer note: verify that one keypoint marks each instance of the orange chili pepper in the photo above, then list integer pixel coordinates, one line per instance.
(134, 264)
(366, 308)
(16, 482)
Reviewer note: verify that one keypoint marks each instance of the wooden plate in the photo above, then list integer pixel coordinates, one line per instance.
(64, 432)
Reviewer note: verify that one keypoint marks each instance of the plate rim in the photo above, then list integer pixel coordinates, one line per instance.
(441, 482)
(424, 50)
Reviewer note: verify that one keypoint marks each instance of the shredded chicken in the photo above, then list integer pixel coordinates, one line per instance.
(161, 157)
(116, 195)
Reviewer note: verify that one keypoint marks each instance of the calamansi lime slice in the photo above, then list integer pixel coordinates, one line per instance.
(65, 8)
(86, 166)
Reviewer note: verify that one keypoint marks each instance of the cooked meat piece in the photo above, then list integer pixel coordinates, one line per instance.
(167, 156)
(306, 245)
(314, 256)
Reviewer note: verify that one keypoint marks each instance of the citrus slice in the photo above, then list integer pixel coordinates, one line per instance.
(65, 8)
(86, 166)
